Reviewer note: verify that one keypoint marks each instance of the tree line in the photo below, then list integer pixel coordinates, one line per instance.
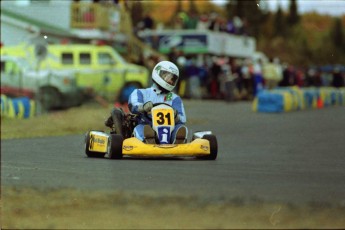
(293, 37)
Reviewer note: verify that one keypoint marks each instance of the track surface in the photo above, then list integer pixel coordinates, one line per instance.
(289, 157)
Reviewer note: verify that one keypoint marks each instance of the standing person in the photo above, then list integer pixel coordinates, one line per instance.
(271, 74)
(165, 76)
(247, 80)
(215, 71)
(258, 81)
(337, 80)
(193, 81)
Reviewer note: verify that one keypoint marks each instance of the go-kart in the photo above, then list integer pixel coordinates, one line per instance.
(99, 143)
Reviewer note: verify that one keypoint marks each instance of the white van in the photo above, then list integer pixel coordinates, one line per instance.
(52, 88)
(98, 67)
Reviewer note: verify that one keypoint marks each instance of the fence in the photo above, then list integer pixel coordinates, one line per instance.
(99, 16)
(89, 16)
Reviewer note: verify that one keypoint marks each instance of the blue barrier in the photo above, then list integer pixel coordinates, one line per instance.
(21, 107)
(294, 98)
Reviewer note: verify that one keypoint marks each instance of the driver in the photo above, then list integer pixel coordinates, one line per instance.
(165, 76)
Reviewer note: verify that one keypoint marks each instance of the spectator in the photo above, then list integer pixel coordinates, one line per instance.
(271, 74)
(230, 27)
(203, 76)
(299, 78)
(238, 24)
(203, 23)
(193, 81)
(317, 79)
(181, 64)
(191, 21)
(237, 72)
(223, 62)
(326, 78)
(258, 81)
(148, 22)
(248, 74)
(288, 77)
(309, 76)
(230, 85)
(178, 23)
(213, 25)
(215, 71)
(184, 17)
(338, 79)
(173, 55)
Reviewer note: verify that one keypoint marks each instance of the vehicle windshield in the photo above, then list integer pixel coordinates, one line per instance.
(119, 58)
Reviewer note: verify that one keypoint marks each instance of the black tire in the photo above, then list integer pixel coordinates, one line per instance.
(87, 145)
(50, 98)
(213, 145)
(115, 146)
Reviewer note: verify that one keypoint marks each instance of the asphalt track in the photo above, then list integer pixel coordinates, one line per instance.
(290, 157)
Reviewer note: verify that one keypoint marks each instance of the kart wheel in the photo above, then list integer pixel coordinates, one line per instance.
(115, 146)
(87, 145)
(213, 145)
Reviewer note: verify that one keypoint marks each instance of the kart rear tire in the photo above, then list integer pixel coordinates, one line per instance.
(90, 153)
(115, 146)
(213, 147)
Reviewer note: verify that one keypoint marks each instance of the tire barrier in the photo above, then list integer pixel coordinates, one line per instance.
(287, 99)
(21, 107)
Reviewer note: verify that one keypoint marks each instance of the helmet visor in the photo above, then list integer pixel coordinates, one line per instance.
(168, 77)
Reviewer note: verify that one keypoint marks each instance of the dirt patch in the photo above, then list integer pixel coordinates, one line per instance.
(75, 209)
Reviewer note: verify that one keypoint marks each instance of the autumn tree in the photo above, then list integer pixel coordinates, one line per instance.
(192, 7)
(177, 10)
(279, 23)
(137, 12)
(337, 35)
(293, 17)
(249, 12)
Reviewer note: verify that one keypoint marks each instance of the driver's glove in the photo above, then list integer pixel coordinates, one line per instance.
(145, 107)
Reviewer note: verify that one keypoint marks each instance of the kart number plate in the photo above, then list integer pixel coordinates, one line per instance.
(98, 143)
(163, 117)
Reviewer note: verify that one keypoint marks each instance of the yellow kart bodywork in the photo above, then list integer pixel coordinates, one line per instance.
(134, 147)
(98, 144)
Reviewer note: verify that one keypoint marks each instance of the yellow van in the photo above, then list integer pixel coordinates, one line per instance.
(98, 67)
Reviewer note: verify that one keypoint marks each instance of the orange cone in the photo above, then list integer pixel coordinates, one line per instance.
(319, 104)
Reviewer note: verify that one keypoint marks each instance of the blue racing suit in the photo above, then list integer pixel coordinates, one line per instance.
(141, 96)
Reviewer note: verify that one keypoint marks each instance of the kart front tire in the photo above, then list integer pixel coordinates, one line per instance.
(115, 146)
(213, 147)
(88, 152)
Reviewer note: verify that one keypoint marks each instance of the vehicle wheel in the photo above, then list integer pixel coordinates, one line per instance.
(49, 98)
(87, 145)
(115, 146)
(213, 145)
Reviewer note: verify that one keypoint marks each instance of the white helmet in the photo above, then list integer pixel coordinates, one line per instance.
(165, 75)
